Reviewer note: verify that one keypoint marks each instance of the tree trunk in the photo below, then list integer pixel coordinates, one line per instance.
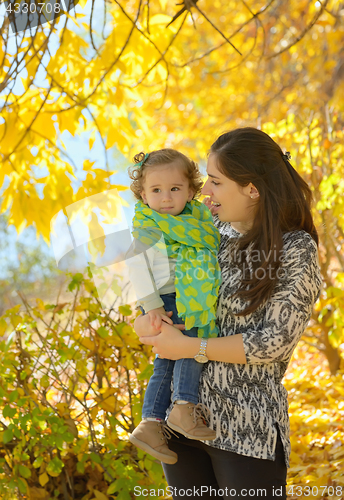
(332, 355)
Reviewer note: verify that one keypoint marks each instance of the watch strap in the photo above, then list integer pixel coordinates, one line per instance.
(203, 347)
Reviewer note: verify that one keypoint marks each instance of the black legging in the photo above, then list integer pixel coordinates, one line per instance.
(209, 473)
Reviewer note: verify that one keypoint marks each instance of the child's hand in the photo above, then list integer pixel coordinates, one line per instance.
(157, 316)
(143, 327)
(209, 204)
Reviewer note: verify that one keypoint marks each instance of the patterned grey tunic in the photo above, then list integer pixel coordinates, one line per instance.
(246, 402)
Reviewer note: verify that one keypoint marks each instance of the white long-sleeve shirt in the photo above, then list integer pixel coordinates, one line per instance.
(151, 273)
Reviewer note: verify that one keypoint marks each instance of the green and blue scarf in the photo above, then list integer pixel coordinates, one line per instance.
(192, 239)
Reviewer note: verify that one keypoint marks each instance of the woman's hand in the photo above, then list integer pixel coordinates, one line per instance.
(170, 343)
(144, 328)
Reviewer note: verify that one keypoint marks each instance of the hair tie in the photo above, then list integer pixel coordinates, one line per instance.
(140, 163)
(286, 156)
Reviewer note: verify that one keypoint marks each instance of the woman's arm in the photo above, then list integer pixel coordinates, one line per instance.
(172, 344)
(290, 307)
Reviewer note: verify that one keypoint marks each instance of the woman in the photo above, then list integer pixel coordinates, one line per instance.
(270, 282)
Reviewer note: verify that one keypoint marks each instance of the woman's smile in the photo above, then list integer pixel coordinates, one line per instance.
(215, 206)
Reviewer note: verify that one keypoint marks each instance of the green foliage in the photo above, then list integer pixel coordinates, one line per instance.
(71, 389)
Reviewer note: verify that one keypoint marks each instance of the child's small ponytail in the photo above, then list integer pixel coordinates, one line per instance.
(136, 173)
(140, 160)
(139, 157)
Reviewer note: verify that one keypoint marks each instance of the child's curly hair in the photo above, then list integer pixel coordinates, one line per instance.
(164, 157)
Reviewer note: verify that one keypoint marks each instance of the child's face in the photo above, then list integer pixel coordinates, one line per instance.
(166, 189)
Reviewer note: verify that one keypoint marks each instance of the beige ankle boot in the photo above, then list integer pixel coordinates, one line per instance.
(151, 436)
(187, 419)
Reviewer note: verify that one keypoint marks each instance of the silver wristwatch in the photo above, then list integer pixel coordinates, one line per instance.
(201, 356)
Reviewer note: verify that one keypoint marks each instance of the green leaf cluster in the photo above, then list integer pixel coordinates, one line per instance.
(72, 381)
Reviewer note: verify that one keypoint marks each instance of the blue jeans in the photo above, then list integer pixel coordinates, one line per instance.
(185, 373)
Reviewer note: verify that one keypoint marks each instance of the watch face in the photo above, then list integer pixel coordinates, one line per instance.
(200, 358)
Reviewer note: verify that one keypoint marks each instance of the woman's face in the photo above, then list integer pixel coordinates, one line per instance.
(236, 203)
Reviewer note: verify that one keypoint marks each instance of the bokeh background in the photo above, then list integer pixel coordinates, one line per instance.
(79, 96)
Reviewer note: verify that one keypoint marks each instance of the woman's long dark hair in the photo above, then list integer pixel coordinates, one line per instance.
(248, 155)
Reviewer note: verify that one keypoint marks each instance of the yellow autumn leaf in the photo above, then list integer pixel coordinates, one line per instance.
(108, 404)
(112, 137)
(88, 165)
(108, 391)
(72, 428)
(159, 19)
(43, 479)
(116, 96)
(89, 344)
(94, 412)
(37, 493)
(91, 142)
(99, 495)
(62, 409)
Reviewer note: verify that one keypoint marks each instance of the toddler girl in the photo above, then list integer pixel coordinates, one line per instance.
(174, 235)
